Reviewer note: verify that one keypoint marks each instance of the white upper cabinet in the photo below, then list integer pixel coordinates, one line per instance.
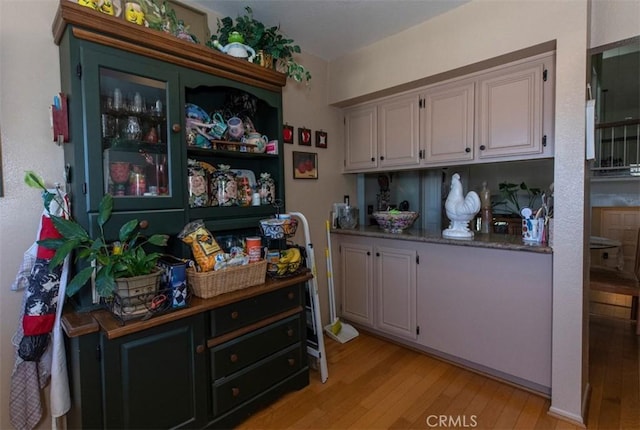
(361, 138)
(501, 114)
(509, 111)
(447, 122)
(398, 120)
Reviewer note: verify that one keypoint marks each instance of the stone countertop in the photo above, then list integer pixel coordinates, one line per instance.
(493, 240)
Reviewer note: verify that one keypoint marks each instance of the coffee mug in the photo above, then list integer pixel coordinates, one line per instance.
(235, 128)
(218, 126)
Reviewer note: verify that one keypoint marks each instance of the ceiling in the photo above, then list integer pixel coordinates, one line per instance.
(330, 29)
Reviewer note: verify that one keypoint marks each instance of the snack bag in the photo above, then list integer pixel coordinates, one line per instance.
(204, 247)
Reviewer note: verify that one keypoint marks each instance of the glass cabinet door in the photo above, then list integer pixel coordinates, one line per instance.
(132, 130)
(134, 135)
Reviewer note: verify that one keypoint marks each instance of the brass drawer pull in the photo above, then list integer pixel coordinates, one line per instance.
(235, 391)
(200, 349)
(291, 295)
(290, 332)
(291, 361)
(234, 315)
(234, 358)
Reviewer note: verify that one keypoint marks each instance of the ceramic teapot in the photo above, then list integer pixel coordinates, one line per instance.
(257, 140)
(236, 49)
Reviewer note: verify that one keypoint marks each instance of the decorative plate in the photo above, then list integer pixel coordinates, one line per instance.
(196, 112)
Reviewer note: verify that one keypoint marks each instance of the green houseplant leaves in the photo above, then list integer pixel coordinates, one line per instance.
(124, 258)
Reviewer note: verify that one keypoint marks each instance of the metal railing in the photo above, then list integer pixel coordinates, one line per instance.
(617, 149)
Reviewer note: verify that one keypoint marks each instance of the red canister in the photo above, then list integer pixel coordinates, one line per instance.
(254, 248)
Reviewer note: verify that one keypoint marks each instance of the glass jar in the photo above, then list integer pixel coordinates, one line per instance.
(198, 187)
(132, 130)
(226, 187)
(267, 189)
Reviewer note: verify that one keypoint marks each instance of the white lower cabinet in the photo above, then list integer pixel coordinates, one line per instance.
(487, 309)
(355, 287)
(395, 289)
(377, 284)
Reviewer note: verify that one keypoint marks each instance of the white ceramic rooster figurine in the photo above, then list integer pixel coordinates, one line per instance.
(460, 210)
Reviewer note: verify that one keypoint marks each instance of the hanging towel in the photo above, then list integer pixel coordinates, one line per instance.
(38, 339)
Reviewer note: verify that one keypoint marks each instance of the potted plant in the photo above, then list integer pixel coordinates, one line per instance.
(120, 261)
(510, 197)
(273, 48)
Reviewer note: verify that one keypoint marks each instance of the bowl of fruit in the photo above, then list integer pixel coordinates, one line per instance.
(395, 221)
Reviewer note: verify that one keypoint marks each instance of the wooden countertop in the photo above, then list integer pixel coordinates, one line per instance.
(493, 240)
(78, 324)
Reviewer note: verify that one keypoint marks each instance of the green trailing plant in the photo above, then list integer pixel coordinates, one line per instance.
(510, 197)
(269, 40)
(120, 259)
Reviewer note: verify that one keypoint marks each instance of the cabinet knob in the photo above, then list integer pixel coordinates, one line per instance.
(373, 159)
(143, 224)
(235, 391)
(291, 361)
(291, 295)
(200, 349)
(382, 157)
(234, 315)
(467, 150)
(233, 358)
(290, 332)
(482, 147)
(176, 128)
(377, 254)
(368, 253)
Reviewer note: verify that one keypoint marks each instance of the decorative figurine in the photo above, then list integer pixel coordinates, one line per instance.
(133, 12)
(109, 7)
(460, 210)
(93, 4)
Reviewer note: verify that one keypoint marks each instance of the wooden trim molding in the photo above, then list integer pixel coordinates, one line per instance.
(114, 32)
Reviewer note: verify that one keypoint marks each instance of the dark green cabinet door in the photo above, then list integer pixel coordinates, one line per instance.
(157, 378)
(131, 130)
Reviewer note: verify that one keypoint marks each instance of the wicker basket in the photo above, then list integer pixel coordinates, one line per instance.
(214, 283)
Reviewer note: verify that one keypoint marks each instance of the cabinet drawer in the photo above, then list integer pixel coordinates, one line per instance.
(243, 351)
(236, 315)
(230, 392)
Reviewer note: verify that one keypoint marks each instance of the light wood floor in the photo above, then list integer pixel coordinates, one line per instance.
(374, 384)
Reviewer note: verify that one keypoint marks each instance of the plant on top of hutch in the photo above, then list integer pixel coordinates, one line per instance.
(272, 47)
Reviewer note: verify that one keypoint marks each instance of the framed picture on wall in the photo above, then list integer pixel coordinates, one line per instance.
(305, 165)
(304, 136)
(287, 133)
(321, 139)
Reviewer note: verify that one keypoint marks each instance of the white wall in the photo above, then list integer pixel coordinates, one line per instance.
(613, 20)
(29, 78)
(306, 106)
(480, 30)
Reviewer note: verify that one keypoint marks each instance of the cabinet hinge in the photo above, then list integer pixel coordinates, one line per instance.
(544, 75)
(98, 353)
(544, 140)
(417, 259)
(79, 71)
(417, 330)
(84, 188)
(420, 104)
